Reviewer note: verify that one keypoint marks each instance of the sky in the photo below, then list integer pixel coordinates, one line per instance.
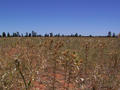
(86, 17)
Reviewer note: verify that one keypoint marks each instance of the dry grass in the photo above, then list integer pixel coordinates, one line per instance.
(60, 63)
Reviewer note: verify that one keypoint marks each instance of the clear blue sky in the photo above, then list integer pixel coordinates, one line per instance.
(85, 17)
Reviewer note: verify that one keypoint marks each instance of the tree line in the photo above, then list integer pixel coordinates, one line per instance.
(34, 34)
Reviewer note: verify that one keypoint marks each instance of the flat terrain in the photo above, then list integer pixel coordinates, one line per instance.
(59, 63)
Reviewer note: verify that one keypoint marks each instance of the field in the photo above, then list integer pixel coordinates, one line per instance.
(59, 63)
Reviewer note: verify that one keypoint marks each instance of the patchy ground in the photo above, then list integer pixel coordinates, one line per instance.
(61, 63)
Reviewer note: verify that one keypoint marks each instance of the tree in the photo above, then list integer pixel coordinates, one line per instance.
(3, 34)
(76, 34)
(34, 34)
(14, 34)
(46, 35)
(26, 35)
(109, 34)
(30, 35)
(17, 34)
(63, 35)
(39, 35)
(113, 35)
(58, 35)
(8, 34)
(21, 35)
(51, 34)
(90, 35)
(80, 35)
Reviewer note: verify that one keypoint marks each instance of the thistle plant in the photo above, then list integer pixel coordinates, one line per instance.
(55, 56)
(27, 85)
(86, 56)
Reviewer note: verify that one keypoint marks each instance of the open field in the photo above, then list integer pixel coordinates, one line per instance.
(59, 63)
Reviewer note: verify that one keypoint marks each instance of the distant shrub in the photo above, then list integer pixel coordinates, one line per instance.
(119, 35)
(113, 35)
(109, 34)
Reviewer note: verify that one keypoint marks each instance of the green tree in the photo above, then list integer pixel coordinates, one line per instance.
(51, 34)
(8, 34)
(30, 35)
(76, 34)
(113, 35)
(34, 34)
(109, 34)
(3, 34)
